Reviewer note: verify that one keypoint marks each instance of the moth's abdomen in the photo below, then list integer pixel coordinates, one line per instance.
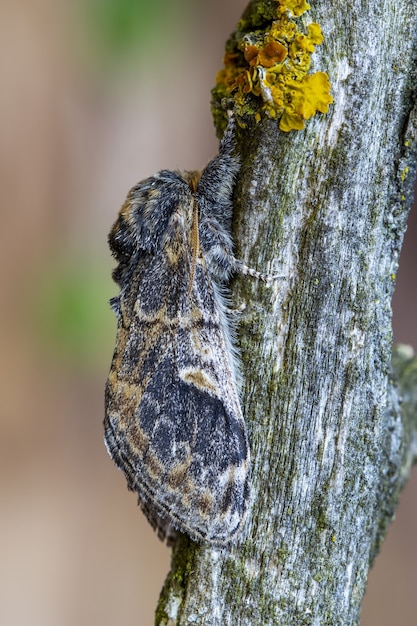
(191, 468)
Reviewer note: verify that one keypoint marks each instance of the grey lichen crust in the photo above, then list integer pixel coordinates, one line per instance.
(173, 421)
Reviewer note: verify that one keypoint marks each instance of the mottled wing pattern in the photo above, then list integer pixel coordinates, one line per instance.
(173, 421)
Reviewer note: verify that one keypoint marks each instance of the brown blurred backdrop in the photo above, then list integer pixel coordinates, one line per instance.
(95, 95)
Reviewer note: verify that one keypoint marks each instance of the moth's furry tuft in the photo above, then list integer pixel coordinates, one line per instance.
(173, 421)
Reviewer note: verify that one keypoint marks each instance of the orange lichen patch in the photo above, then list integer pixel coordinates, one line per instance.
(251, 54)
(243, 81)
(272, 65)
(272, 54)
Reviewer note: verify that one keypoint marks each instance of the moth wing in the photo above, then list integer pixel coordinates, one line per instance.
(173, 420)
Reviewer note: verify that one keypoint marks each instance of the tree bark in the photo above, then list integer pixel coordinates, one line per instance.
(331, 443)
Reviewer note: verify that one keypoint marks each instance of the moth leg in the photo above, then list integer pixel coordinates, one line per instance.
(218, 253)
(241, 268)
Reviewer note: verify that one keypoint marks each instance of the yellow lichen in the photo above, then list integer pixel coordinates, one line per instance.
(303, 99)
(296, 7)
(404, 174)
(314, 33)
(272, 65)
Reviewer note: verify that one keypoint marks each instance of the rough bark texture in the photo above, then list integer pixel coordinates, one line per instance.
(331, 444)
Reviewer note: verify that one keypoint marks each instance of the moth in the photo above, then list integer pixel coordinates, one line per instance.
(173, 421)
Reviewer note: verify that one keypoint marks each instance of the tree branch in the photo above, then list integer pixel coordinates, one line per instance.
(405, 369)
(331, 445)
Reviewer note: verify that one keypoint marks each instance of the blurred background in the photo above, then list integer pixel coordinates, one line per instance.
(97, 94)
